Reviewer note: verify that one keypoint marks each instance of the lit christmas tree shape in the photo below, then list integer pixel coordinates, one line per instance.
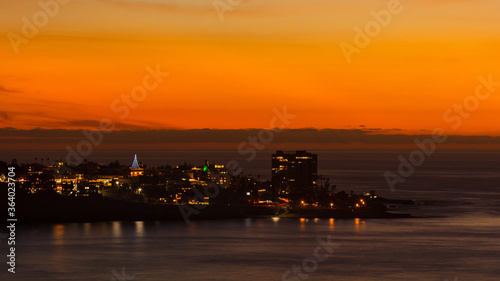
(135, 165)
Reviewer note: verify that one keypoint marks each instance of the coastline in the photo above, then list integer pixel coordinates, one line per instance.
(58, 209)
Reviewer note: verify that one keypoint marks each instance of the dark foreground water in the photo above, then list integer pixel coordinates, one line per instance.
(459, 240)
(262, 249)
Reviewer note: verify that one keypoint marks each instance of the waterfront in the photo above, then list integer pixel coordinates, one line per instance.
(468, 176)
(458, 192)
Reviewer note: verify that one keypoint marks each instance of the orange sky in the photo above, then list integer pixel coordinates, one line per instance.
(265, 54)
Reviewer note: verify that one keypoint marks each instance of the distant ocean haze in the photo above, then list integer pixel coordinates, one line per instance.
(231, 139)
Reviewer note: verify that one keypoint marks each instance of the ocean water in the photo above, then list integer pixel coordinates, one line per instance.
(456, 236)
(466, 248)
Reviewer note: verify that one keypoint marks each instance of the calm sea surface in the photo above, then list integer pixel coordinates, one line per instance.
(458, 193)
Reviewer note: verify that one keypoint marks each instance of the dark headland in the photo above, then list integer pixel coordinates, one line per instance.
(55, 191)
(45, 208)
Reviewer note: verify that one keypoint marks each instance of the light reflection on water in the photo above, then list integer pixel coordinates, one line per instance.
(462, 241)
(86, 229)
(58, 234)
(139, 229)
(403, 249)
(116, 229)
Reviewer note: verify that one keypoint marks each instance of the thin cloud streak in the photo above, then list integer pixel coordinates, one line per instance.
(298, 136)
(4, 90)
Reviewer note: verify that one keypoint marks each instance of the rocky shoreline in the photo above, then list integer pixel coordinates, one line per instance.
(59, 209)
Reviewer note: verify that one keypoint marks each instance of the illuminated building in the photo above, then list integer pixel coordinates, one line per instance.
(136, 170)
(293, 172)
(216, 173)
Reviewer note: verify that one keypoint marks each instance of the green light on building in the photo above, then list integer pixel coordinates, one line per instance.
(205, 168)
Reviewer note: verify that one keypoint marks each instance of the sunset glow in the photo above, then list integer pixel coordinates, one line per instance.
(230, 74)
